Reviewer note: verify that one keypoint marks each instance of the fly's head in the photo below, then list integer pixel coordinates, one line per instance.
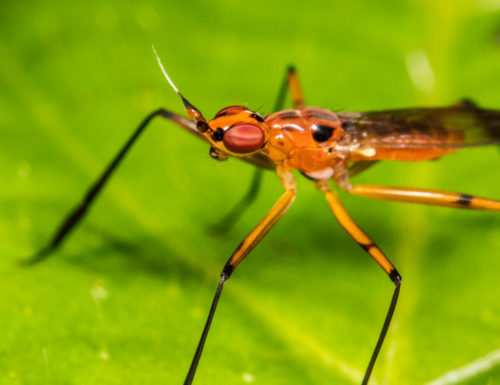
(234, 130)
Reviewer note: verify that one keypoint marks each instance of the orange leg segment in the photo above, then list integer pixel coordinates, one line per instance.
(374, 251)
(356, 233)
(293, 82)
(272, 217)
(245, 247)
(424, 196)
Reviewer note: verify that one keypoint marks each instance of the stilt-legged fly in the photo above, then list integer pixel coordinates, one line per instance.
(322, 145)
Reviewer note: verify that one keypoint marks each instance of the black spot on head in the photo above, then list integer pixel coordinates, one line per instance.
(322, 133)
(257, 117)
(218, 135)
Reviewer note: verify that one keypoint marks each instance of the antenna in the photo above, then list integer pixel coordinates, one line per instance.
(191, 110)
(165, 72)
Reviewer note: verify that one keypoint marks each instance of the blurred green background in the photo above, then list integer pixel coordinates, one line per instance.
(124, 301)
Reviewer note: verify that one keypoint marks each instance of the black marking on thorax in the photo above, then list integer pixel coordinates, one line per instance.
(322, 133)
(287, 115)
(322, 115)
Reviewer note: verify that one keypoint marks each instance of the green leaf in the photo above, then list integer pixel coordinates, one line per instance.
(125, 299)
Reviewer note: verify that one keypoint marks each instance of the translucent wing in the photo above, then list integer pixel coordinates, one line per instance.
(424, 133)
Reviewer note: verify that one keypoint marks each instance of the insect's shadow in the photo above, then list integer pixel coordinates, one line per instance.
(115, 255)
(322, 240)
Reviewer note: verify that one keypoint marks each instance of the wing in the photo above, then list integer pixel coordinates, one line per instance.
(419, 133)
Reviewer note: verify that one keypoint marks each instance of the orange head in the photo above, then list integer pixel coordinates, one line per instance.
(234, 130)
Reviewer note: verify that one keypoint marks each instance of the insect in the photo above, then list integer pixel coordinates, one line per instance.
(322, 145)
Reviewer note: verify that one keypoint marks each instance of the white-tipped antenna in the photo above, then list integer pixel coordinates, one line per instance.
(165, 72)
(191, 110)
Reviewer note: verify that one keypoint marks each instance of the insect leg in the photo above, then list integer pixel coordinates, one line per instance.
(374, 251)
(424, 196)
(291, 82)
(75, 216)
(244, 248)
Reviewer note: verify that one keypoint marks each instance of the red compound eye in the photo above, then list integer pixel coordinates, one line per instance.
(243, 138)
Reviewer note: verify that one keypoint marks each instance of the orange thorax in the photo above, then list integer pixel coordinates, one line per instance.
(304, 139)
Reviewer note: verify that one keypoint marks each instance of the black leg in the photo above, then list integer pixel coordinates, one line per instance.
(208, 323)
(76, 215)
(385, 327)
